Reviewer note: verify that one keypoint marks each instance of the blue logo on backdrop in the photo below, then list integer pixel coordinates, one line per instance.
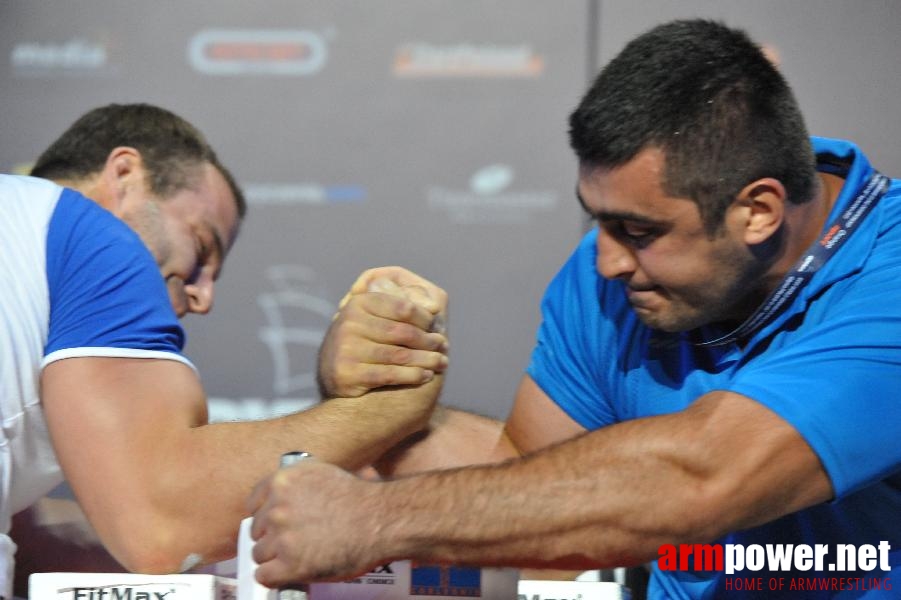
(275, 194)
(464, 582)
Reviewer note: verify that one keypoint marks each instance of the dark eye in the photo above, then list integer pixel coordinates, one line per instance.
(201, 251)
(637, 235)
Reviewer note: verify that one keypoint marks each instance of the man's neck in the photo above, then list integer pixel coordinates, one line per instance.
(804, 224)
(90, 188)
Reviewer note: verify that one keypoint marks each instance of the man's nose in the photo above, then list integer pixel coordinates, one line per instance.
(199, 296)
(615, 260)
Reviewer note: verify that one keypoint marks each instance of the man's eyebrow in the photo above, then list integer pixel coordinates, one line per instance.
(623, 215)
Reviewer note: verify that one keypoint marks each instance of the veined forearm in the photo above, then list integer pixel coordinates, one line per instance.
(611, 497)
(559, 509)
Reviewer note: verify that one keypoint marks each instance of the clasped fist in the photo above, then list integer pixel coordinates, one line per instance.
(389, 331)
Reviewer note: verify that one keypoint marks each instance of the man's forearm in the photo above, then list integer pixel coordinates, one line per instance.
(608, 498)
(584, 503)
(557, 509)
(453, 438)
(355, 432)
(200, 491)
(181, 484)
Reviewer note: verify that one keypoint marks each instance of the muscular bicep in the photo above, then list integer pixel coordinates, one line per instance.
(535, 421)
(116, 423)
(751, 463)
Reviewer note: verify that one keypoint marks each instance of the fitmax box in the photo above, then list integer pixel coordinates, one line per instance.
(130, 586)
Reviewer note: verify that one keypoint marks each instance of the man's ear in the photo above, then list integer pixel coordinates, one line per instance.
(764, 201)
(122, 172)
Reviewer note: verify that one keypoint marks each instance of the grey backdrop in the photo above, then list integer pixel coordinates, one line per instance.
(426, 133)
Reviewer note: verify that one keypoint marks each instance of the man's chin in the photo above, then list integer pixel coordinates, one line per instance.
(665, 323)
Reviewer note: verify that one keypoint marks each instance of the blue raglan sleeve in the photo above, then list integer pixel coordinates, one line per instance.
(107, 297)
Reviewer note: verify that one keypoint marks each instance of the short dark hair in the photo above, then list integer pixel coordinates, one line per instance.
(707, 96)
(171, 148)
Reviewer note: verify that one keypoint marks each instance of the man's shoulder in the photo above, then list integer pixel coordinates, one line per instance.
(80, 225)
(25, 185)
(42, 200)
(26, 197)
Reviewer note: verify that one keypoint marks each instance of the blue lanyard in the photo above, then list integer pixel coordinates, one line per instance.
(810, 262)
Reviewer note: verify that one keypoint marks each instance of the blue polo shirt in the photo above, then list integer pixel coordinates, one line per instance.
(829, 364)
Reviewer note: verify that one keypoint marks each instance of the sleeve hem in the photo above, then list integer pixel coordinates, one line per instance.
(104, 351)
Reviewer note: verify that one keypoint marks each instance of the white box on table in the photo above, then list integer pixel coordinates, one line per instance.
(130, 586)
(571, 590)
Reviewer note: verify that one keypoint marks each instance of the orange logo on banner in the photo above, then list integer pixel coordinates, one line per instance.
(257, 52)
(467, 60)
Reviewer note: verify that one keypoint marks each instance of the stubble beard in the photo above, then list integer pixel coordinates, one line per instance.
(731, 302)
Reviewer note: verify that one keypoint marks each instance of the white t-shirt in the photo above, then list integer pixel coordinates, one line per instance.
(74, 281)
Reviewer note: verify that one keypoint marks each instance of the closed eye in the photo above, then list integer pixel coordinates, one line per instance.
(201, 259)
(636, 235)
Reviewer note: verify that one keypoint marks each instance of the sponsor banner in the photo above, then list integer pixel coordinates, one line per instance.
(489, 199)
(76, 57)
(421, 59)
(401, 579)
(274, 52)
(275, 194)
